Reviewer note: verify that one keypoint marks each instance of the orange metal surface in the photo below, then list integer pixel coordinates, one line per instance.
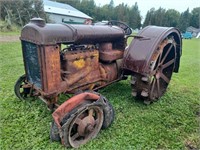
(70, 104)
(51, 68)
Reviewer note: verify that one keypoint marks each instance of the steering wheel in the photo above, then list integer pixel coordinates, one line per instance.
(122, 25)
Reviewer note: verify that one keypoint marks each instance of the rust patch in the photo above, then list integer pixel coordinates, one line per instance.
(73, 61)
(70, 104)
(52, 68)
(108, 54)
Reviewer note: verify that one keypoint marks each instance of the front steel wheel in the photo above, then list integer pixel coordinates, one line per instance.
(21, 89)
(154, 85)
(82, 124)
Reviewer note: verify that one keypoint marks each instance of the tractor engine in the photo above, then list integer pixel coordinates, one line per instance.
(87, 67)
(62, 58)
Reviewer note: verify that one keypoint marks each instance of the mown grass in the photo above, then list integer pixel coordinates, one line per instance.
(170, 123)
(17, 32)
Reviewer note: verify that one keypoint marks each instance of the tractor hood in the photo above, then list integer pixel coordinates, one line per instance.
(38, 32)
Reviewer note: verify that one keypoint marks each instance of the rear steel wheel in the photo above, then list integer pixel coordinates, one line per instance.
(22, 91)
(82, 124)
(154, 85)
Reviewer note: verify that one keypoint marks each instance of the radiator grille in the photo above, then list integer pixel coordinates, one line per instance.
(31, 61)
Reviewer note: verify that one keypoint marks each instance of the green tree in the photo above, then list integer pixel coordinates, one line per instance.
(159, 17)
(184, 20)
(135, 17)
(111, 4)
(149, 19)
(111, 13)
(195, 17)
(21, 11)
(98, 14)
(172, 18)
(88, 7)
(122, 12)
(39, 8)
(105, 13)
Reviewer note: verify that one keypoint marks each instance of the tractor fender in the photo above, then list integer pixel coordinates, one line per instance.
(70, 104)
(138, 54)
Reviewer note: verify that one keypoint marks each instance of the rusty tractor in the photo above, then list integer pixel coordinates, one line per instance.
(80, 59)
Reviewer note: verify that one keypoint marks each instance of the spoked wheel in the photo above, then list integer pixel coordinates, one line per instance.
(154, 85)
(84, 121)
(108, 114)
(162, 72)
(82, 124)
(22, 91)
(108, 110)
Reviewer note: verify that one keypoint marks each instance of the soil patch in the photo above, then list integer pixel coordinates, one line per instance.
(10, 38)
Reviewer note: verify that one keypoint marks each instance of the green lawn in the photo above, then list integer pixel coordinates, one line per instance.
(171, 123)
(9, 33)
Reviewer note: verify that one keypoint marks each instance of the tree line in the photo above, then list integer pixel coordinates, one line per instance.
(20, 12)
(173, 18)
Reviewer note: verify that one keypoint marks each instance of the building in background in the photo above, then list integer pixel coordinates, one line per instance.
(64, 13)
(193, 30)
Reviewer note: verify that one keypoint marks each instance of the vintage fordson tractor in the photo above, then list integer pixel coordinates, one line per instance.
(80, 59)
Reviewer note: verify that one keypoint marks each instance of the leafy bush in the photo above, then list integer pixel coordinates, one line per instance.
(5, 26)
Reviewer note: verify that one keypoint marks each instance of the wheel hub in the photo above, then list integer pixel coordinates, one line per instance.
(89, 128)
(86, 126)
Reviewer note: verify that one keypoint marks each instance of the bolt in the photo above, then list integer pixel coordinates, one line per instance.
(145, 79)
(144, 93)
(134, 94)
(132, 82)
